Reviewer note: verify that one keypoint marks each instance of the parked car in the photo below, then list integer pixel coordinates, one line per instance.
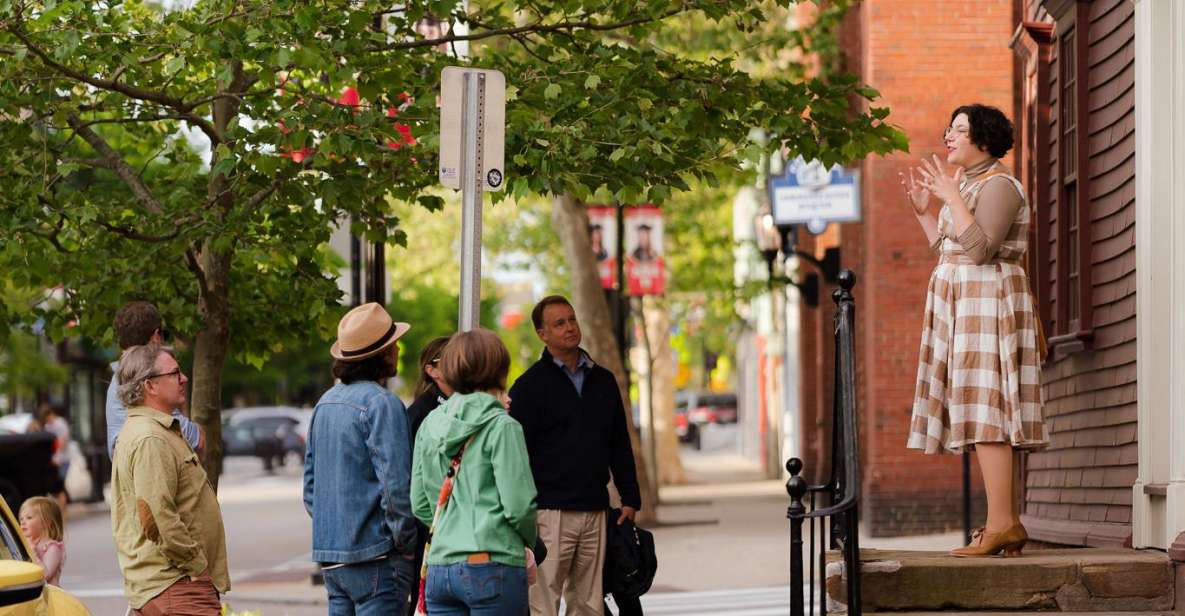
(16, 423)
(23, 589)
(269, 433)
(26, 466)
(719, 408)
(696, 409)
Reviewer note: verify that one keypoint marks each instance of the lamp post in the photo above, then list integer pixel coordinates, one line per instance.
(769, 243)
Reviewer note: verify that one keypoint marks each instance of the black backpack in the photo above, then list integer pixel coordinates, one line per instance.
(630, 563)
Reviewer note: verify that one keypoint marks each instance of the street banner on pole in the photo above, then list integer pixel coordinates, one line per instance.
(472, 131)
(602, 231)
(811, 194)
(645, 268)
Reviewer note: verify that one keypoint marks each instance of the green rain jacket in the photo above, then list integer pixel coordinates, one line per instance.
(492, 508)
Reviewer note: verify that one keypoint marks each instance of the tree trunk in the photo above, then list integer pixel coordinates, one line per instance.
(570, 221)
(662, 391)
(210, 348)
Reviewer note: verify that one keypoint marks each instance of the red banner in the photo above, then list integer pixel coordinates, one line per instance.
(645, 268)
(602, 230)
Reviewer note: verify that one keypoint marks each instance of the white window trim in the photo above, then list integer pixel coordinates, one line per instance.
(1158, 496)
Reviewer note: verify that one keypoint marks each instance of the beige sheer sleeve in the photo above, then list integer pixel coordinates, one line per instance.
(995, 211)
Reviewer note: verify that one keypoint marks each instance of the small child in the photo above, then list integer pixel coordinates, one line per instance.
(41, 523)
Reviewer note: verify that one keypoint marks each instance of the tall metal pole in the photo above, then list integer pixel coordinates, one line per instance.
(355, 269)
(471, 191)
(378, 270)
(623, 300)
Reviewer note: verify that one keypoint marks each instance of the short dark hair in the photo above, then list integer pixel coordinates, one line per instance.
(428, 355)
(475, 360)
(135, 323)
(991, 130)
(537, 311)
(378, 368)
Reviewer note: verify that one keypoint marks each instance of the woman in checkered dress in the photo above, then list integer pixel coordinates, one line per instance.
(979, 375)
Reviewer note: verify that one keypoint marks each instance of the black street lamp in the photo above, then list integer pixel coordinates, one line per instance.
(774, 240)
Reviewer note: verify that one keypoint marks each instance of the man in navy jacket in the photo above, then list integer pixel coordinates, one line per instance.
(574, 423)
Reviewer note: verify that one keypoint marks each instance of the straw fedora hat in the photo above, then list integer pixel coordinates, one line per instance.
(364, 332)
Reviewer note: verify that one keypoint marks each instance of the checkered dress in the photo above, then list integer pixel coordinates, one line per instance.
(979, 371)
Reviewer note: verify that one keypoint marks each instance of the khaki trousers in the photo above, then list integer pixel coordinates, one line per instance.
(575, 543)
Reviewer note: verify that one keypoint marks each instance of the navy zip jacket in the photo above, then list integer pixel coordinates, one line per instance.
(575, 440)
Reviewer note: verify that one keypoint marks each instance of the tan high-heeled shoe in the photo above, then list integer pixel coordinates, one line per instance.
(983, 543)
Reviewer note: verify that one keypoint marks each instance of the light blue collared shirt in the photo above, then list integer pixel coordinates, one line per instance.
(583, 366)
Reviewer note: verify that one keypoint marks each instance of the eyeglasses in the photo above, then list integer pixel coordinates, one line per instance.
(435, 361)
(952, 130)
(176, 372)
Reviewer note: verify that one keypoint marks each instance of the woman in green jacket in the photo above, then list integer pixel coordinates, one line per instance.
(478, 558)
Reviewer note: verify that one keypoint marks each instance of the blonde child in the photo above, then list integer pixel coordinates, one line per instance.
(41, 523)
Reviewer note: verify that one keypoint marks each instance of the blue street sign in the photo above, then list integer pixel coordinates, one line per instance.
(810, 194)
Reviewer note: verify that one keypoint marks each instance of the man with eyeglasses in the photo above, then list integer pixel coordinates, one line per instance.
(139, 323)
(168, 528)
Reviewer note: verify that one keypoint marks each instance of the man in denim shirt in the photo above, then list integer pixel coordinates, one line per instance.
(139, 323)
(357, 472)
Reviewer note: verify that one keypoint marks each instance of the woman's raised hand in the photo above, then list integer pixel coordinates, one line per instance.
(935, 180)
(919, 196)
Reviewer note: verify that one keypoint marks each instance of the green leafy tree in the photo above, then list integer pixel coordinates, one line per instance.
(198, 156)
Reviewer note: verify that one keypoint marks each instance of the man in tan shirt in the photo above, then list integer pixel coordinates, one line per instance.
(165, 516)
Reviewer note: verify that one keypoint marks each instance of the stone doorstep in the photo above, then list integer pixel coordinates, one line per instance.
(1068, 580)
(1019, 613)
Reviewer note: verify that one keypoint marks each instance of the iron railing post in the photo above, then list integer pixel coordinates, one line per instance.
(839, 520)
(796, 488)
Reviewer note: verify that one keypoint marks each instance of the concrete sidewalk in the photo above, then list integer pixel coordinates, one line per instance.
(725, 529)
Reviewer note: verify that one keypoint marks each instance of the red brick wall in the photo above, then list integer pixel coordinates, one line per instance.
(926, 57)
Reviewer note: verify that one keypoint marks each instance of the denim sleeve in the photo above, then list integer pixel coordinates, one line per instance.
(189, 429)
(117, 413)
(308, 468)
(389, 445)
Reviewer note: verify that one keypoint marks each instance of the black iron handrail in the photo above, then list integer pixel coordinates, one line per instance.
(842, 488)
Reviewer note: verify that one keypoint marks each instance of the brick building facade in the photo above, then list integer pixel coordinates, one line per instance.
(925, 57)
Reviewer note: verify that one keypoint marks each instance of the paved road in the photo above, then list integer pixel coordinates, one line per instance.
(267, 531)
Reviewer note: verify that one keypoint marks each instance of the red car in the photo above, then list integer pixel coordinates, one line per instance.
(693, 410)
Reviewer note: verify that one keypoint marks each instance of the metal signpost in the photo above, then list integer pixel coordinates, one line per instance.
(472, 139)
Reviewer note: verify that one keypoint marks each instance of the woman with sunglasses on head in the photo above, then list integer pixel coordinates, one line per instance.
(979, 370)
(431, 391)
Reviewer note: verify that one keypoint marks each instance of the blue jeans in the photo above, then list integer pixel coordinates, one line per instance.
(491, 589)
(369, 588)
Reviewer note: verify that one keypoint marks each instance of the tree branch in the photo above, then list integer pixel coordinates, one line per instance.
(52, 238)
(262, 195)
(535, 28)
(113, 85)
(132, 234)
(196, 268)
(117, 164)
